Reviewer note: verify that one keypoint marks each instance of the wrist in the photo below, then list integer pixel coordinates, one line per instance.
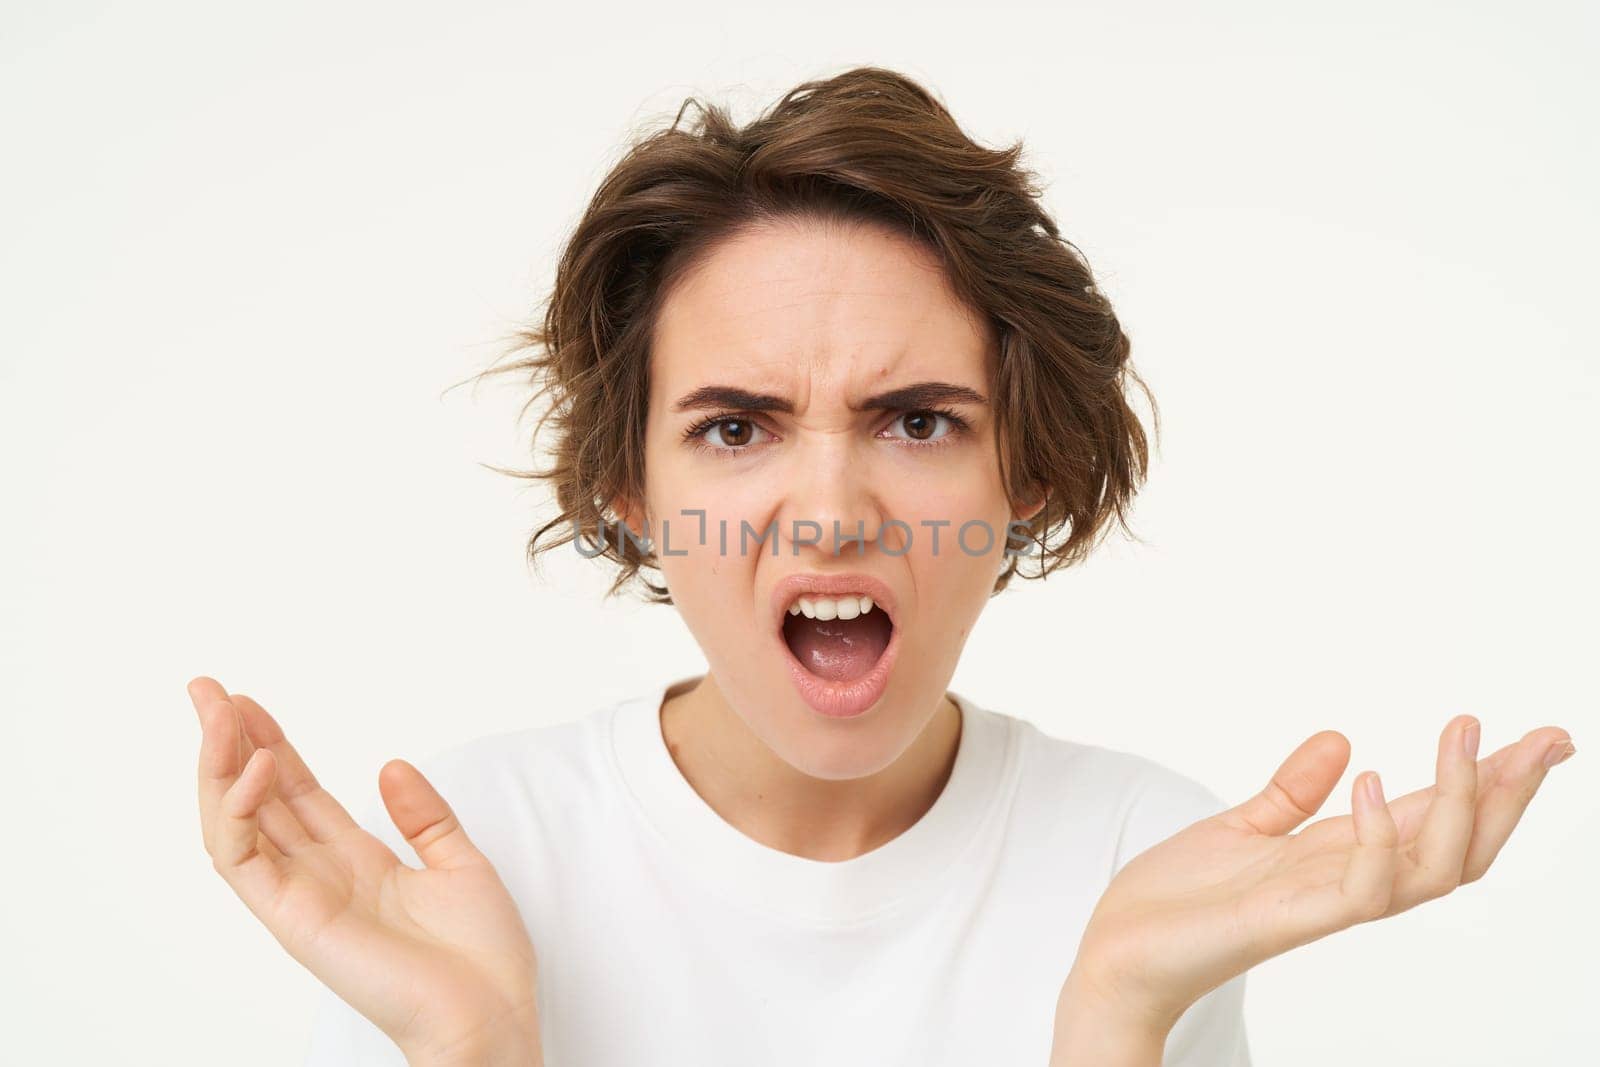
(501, 1054)
(509, 1044)
(1097, 1025)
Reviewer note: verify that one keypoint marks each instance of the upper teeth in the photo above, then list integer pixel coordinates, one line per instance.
(830, 607)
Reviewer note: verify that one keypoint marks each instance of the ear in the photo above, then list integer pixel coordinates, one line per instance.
(1024, 512)
(631, 512)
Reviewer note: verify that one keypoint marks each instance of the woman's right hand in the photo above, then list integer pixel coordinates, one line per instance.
(438, 958)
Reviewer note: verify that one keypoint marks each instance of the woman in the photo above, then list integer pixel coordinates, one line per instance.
(834, 376)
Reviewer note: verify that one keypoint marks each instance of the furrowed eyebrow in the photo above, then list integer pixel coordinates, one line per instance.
(922, 395)
(728, 397)
(905, 398)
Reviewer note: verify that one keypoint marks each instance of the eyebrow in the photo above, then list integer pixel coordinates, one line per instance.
(905, 398)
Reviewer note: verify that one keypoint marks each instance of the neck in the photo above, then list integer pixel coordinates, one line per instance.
(782, 807)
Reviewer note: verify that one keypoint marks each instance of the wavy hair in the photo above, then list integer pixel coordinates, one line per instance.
(869, 144)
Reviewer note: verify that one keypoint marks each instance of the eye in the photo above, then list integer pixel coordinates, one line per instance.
(726, 433)
(925, 426)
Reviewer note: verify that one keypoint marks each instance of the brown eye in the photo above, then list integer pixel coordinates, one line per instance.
(924, 427)
(920, 424)
(730, 433)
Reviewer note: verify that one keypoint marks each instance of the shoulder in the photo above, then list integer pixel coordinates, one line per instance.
(511, 782)
(1091, 808)
(1132, 799)
(554, 756)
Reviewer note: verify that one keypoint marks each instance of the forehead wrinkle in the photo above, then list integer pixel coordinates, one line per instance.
(835, 376)
(832, 339)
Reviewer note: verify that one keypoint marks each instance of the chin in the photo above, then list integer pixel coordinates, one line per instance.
(839, 749)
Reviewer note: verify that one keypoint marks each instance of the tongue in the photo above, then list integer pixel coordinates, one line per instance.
(838, 650)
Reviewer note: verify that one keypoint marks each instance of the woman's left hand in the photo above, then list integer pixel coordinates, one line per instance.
(1238, 888)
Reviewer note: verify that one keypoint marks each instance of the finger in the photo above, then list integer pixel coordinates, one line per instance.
(279, 825)
(1503, 798)
(219, 758)
(1368, 880)
(1409, 810)
(204, 690)
(423, 817)
(236, 835)
(1439, 854)
(266, 846)
(1300, 786)
(227, 749)
(318, 813)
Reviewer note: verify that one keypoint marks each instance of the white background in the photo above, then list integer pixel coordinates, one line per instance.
(245, 250)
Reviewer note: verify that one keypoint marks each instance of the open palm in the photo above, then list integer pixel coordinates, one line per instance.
(1239, 888)
(438, 957)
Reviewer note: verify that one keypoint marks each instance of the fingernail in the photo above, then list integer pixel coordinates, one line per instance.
(1374, 788)
(1469, 739)
(1558, 752)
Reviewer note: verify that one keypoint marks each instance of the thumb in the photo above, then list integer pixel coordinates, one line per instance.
(423, 817)
(1298, 789)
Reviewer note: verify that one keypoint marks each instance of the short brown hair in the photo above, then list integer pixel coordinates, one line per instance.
(869, 144)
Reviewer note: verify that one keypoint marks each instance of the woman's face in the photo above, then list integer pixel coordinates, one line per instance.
(771, 411)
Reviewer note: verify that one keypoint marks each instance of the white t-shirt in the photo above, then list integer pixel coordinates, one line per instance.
(665, 936)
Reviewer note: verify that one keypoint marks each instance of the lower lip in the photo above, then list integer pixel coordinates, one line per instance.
(842, 700)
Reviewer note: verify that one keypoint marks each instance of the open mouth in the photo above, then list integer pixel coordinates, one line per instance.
(841, 638)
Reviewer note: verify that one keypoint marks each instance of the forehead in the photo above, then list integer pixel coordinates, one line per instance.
(798, 305)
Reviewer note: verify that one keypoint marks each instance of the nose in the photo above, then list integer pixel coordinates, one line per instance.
(832, 508)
